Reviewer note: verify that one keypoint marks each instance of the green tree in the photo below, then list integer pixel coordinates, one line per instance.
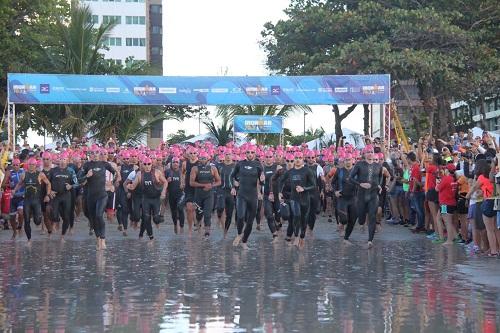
(178, 137)
(440, 44)
(223, 133)
(284, 111)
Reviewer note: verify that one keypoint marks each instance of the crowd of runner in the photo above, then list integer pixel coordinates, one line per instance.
(447, 189)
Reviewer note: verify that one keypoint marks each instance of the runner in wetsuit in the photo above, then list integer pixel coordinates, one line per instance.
(154, 189)
(367, 176)
(31, 180)
(268, 201)
(302, 182)
(175, 194)
(61, 180)
(46, 208)
(316, 195)
(76, 193)
(124, 207)
(204, 177)
(188, 190)
(246, 179)
(286, 191)
(345, 192)
(95, 172)
(225, 200)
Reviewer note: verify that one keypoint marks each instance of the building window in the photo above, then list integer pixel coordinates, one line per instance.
(155, 9)
(135, 41)
(94, 19)
(135, 20)
(156, 29)
(110, 18)
(112, 41)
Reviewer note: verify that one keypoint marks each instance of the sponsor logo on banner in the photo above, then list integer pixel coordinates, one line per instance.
(236, 91)
(306, 90)
(24, 88)
(258, 125)
(201, 90)
(58, 89)
(275, 90)
(257, 91)
(288, 90)
(184, 91)
(112, 90)
(167, 90)
(219, 90)
(44, 88)
(341, 89)
(355, 89)
(325, 90)
(375, 89)
(91, 89)
(144, 91)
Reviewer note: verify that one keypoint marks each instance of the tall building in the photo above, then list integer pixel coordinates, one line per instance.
(138, 33)
(464, 112)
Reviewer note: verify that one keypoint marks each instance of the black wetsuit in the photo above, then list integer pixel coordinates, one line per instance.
(269, 207)
(367, 199)
(225, 200)
(346, 203)
(299, 201)
(188, 190)
(314, 197)
(204, 199)
(61, 203)
(151, 192)
(96, 194)
(174, 195)
(247, 173)
(32, 201)
(124, 207)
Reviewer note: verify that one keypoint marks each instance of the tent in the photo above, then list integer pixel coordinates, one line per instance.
(476, 131)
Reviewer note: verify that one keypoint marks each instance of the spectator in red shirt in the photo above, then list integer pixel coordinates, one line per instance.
(447, 190)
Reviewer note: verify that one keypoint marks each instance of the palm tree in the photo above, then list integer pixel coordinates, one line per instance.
(223, 133)
(230, 111)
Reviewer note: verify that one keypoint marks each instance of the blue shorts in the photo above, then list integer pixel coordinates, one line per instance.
(396, 191)
(16, 203)
(498, 219)
(487, 208)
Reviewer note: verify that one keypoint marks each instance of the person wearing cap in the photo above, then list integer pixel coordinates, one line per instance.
(301, 181)
(317, 193)
(270, 209)
(175, 194)
(32, 181)
(225, 200)
(124, 203)
(203, 178)
(76, 194)
(247, 179)
(61, 181)
(12, 178)
(46, 207)
(96, 196)
(345, 192)
(187, 166)
(367, 177)
(153, 187)
(286, 192)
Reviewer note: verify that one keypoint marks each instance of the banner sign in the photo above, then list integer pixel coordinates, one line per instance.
(209, 90)
(258, 124)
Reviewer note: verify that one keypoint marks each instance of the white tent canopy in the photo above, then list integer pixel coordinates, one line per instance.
(476, 131)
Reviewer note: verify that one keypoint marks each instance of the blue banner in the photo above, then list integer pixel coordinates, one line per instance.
(179, 90)
(258, 124)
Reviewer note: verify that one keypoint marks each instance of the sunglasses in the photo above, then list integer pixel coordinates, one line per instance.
(126, 159)
(194, 153)
(16, 165)
(175, 161)
(147, 164)
(369, 159)
(298, 158)
(289, 161)
(250, 152)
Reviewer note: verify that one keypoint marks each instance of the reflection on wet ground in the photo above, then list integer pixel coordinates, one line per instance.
(181, 284)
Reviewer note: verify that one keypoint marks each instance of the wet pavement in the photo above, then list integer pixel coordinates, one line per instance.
(184, 283)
